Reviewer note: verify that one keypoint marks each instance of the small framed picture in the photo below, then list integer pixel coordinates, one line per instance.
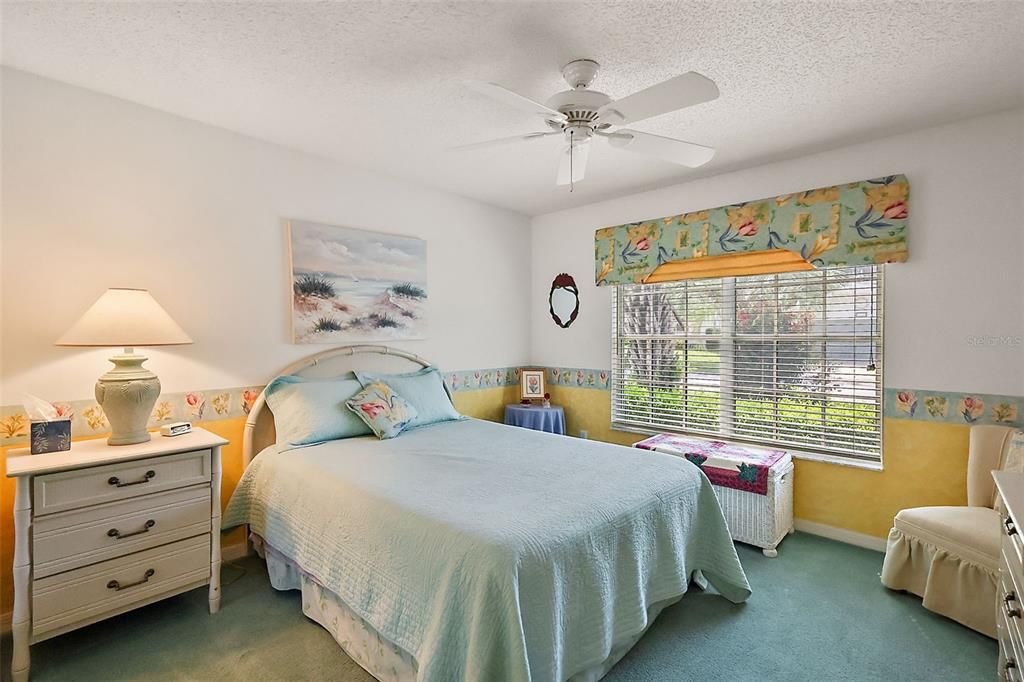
(531, 384)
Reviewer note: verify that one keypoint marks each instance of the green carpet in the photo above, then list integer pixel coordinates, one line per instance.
(817, 612)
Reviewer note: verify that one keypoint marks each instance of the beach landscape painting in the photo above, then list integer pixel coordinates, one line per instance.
(355, 285)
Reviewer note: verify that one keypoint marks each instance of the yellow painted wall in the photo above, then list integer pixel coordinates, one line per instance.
(486, 403)
(924, 464)
(483, 404)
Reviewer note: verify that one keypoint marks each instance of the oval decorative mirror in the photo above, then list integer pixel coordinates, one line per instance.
(564, 300)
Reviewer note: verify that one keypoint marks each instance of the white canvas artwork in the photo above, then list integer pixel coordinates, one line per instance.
(352, 285)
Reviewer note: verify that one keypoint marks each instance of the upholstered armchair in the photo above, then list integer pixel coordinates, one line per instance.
(949, 556)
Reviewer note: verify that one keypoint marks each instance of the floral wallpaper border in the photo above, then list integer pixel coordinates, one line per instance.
(87, 418)
(948, 407)
(475, 379)
(954, 407)
(577, 377)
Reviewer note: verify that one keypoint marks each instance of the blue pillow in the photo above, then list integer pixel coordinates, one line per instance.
(424, 390)
(286, 379)
(311, 411)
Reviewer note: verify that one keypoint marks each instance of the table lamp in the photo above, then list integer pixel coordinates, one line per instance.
(127, 393)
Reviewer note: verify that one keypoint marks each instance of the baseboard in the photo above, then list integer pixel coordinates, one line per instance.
(234, 552)
(841, 535)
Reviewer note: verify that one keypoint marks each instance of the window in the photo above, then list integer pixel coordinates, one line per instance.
(792, 359)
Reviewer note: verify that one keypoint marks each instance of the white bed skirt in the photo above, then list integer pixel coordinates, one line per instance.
(384, 660)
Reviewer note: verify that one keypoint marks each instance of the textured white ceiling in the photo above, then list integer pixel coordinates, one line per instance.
(378, 84)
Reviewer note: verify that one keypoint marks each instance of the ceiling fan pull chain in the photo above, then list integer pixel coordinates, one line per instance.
(572, 175)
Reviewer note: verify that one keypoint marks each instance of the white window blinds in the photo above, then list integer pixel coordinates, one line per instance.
(792, 359)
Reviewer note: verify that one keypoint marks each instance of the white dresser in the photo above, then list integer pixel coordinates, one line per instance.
(1010, 603)
(100, 530)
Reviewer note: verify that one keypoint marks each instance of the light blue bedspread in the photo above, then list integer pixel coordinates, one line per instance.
(491, 552)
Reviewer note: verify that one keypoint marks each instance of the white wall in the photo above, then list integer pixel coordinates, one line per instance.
(965, 277)
(99, 192)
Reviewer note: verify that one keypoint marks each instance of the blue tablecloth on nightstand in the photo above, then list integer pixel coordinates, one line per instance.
(550, 419)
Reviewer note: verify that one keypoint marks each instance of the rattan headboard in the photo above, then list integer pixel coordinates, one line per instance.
(259, 427)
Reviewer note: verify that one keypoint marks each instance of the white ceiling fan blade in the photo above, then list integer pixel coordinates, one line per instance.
(514, 99)
(675, 93)
(504, 140)
(573, 164)
(666, 148)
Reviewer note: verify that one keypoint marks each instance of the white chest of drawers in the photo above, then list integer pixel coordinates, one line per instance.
(1010, 602)
(101, 530)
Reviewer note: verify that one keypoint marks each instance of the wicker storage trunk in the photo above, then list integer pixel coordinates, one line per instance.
(754, 485)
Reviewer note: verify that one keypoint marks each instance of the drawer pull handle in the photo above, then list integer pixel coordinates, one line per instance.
(117, 587)
(118, 535)
(1010, 611)
(114, 480)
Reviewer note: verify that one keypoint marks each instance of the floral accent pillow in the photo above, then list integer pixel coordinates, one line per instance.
(383, 410)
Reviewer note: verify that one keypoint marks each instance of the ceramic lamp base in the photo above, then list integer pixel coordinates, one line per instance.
(127, 394)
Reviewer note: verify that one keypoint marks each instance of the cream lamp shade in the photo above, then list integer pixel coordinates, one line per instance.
(125, 317)
(127, 393)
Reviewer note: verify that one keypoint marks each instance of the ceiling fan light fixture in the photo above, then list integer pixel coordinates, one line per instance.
(573, 164)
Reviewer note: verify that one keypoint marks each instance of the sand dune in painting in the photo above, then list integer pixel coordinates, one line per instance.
(353, 285)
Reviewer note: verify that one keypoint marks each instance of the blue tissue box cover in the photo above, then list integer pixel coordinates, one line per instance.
(53, 436)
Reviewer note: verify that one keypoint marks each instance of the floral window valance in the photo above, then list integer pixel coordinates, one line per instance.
(851, 224)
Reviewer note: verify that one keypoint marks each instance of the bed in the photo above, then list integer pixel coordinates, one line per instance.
(469, 550)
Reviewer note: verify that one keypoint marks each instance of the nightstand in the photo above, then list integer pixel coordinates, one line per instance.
(101, 530)
(550, 419)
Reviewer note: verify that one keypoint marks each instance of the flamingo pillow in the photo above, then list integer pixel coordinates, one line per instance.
(383, 410)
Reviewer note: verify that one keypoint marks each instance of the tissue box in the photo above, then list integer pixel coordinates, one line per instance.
(50, 436)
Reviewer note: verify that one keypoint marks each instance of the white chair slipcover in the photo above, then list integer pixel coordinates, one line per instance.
(949, 556)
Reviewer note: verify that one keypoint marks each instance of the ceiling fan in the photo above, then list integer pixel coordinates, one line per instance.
(581, 114)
